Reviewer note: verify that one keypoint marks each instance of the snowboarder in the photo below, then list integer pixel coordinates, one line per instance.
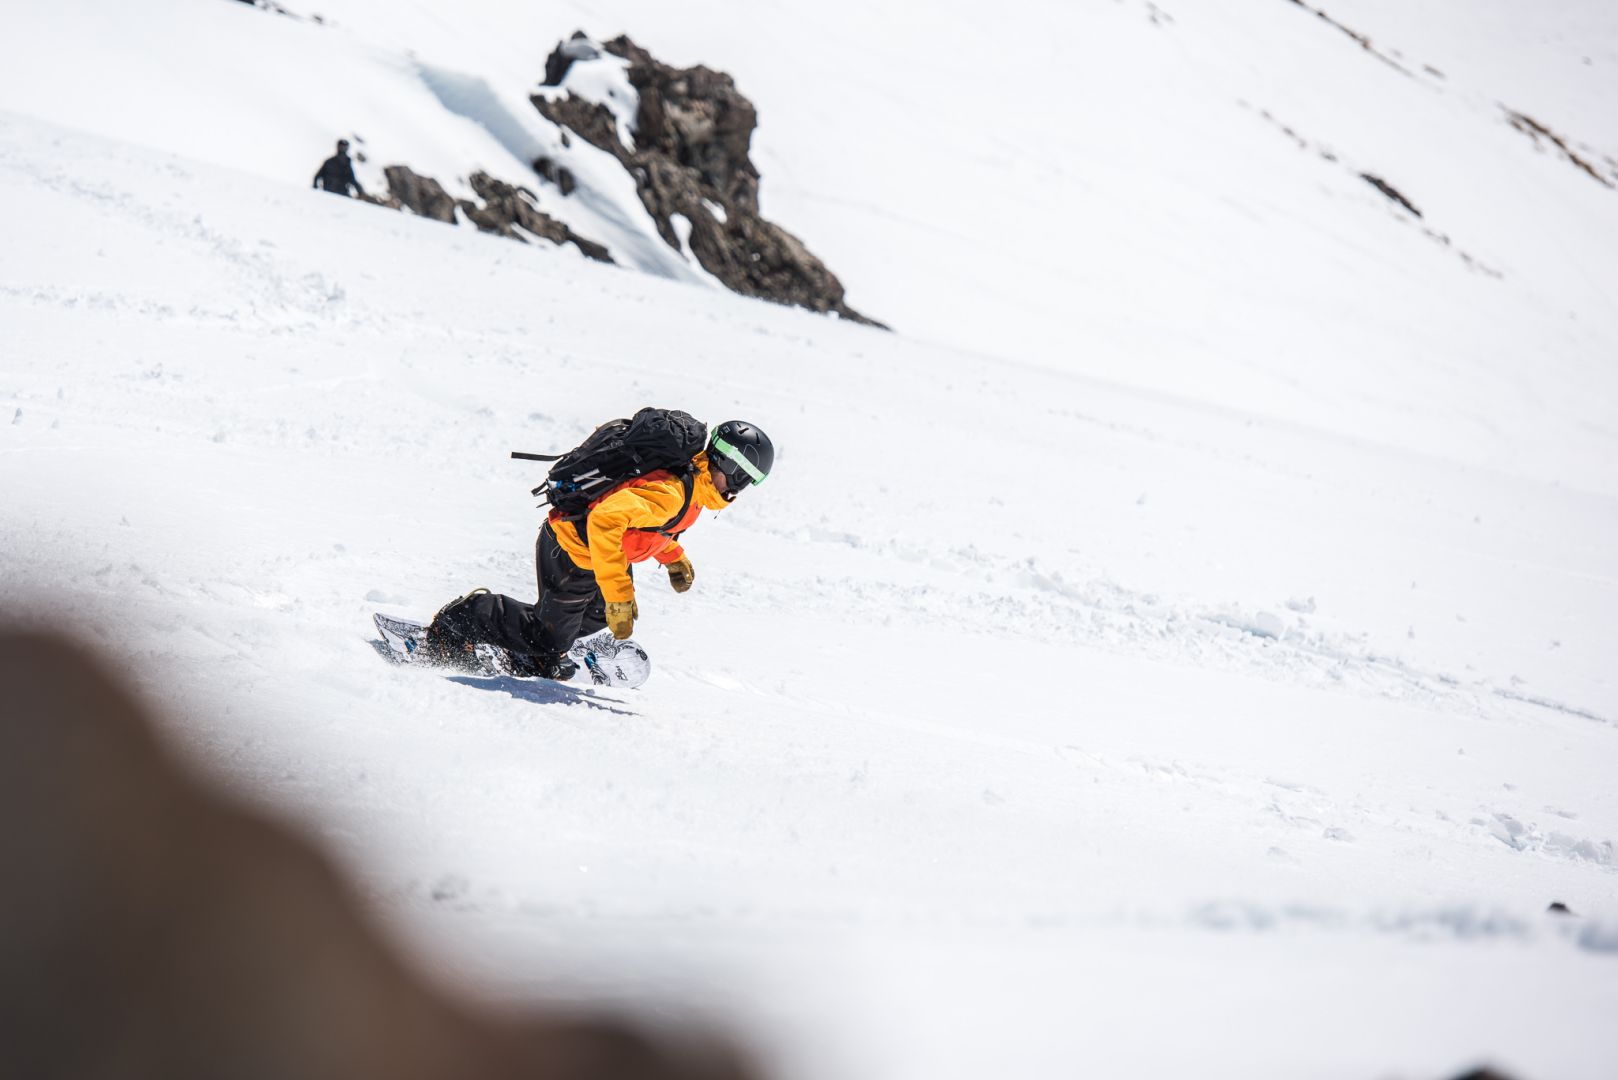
(583, 563)
(337, 173)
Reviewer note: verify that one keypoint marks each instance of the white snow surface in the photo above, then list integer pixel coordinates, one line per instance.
(1187, 645)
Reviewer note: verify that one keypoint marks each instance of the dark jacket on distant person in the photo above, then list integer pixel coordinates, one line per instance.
(337, 174)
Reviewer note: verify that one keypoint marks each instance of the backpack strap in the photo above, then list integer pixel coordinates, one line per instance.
(688, 481)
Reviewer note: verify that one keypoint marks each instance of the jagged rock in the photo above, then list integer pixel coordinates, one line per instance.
(560, 175)
(697, 118)
(489, 222)
(1535, 130)
(577, 47)
(591, 121)
(506, 206)
(423, 195)
(1390, 191)
(693, 131)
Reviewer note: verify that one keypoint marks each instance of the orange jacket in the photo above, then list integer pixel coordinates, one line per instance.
(623, 526)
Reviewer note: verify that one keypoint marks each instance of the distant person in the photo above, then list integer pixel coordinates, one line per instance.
(337, 173)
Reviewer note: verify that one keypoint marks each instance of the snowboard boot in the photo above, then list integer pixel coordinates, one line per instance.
(446, 643)
(559, 668)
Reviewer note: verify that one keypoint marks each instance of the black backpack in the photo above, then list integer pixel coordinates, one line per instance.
(618, 451)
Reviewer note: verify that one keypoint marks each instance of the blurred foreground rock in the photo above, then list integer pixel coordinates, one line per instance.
(152, 929)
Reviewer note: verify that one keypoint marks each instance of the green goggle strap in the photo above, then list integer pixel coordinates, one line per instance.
(736, 455)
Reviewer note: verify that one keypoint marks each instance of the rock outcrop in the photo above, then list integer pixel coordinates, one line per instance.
(507, 207)
(689, 157)
(577, 47)
(505, 210)
(421, 195)
(560, 175)
(1393, 193)
(690, 160)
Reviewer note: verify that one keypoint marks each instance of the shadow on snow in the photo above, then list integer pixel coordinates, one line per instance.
(538, 691)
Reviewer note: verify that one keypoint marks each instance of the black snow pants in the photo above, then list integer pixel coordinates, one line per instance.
(570, 607)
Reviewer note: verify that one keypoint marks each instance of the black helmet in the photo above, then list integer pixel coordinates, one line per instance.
(742, 452)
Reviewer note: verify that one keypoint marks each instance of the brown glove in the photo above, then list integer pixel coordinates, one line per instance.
(621, 616)
(681, 574)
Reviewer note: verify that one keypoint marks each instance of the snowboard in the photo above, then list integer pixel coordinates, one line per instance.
(603, 660)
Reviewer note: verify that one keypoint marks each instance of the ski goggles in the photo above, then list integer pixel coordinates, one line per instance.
(734, 464)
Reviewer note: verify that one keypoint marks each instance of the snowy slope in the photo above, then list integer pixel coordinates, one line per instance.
(979, 761)
(1040, 707)
(1168, 198)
